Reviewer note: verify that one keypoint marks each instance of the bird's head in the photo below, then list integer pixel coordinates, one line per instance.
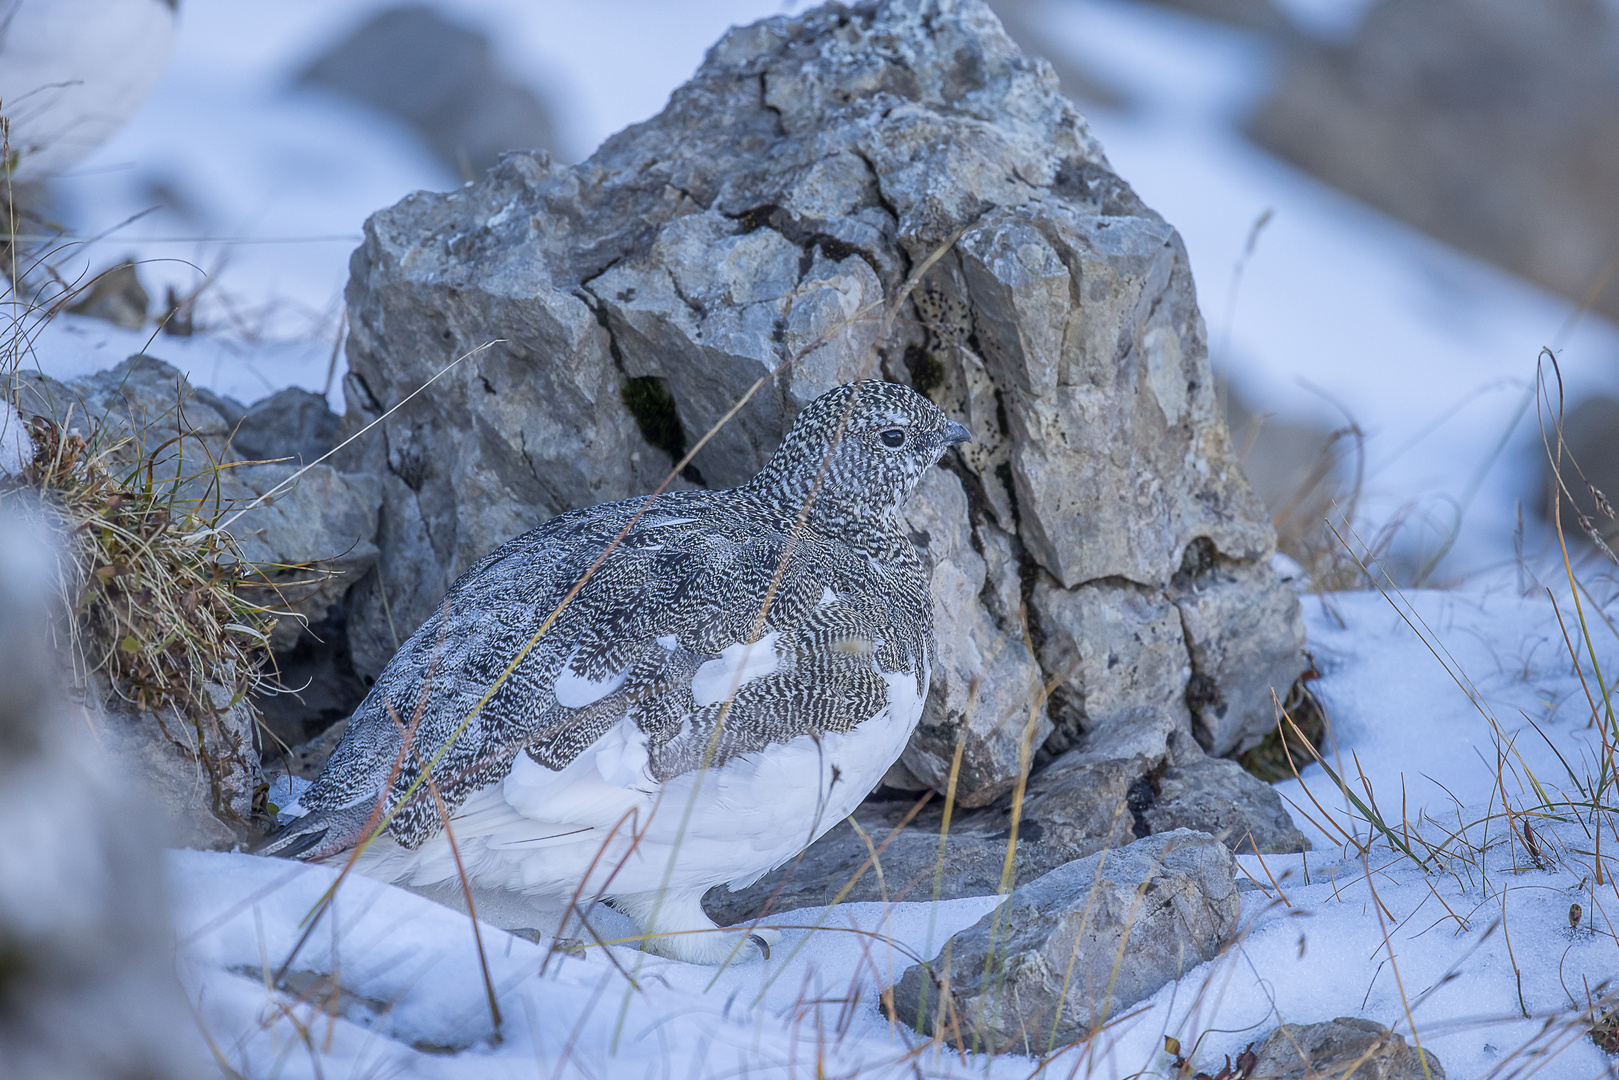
(861, 448)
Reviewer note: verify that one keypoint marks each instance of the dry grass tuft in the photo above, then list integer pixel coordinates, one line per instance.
(152, 586)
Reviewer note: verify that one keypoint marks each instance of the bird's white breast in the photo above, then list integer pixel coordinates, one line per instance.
(606, 821)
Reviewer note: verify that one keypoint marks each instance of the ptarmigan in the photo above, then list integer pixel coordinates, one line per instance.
(738, 671)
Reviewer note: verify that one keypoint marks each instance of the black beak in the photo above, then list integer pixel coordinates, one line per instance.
(955, 433)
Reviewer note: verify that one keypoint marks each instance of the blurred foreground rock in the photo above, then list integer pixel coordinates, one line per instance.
(1492, 124)
(1098, 538)
(1335, 1047)
(1076, 947)
(87, 986)
(440, 78)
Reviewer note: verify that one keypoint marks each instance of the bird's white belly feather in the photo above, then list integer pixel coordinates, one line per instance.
(605, 821)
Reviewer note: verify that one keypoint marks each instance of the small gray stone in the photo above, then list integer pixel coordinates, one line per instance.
(1334, 1047)
(1077, 946)
(1219, 797)
(117, 296)
(290, 423)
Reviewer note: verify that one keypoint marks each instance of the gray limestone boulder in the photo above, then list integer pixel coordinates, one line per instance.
(1078, 946)
(1334, 1047)
(739, 253)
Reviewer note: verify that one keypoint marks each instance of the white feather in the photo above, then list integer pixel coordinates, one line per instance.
(574, 691)
(737, 665)
(605, 821)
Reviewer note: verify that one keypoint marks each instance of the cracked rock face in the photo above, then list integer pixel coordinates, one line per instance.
(756, 232)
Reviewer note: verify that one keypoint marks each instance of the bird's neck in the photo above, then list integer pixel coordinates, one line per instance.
(791, 500)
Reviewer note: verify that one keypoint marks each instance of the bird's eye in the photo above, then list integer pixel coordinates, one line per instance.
(893, 437)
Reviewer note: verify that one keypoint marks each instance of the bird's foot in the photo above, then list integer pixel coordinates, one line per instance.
(676, 927)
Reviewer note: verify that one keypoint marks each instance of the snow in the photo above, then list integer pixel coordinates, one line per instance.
(1337, 309)
(411, 970)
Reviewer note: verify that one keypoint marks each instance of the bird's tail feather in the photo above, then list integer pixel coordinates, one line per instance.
(318, 834)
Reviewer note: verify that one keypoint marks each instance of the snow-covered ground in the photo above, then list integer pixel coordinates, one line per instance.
(1339, 308)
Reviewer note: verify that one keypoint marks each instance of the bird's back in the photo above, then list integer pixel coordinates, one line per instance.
(713, 626)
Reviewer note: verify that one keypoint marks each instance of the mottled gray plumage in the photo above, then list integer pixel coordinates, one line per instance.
(808, 560)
